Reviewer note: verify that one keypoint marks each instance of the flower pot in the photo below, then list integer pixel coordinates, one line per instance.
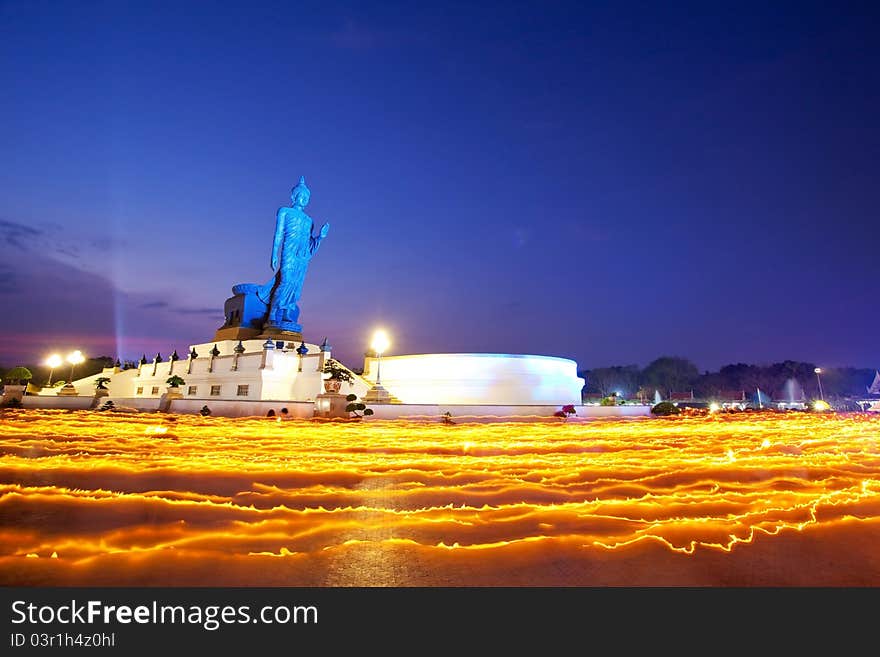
(332, 385)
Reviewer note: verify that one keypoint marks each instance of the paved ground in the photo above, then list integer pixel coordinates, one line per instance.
(90, 498)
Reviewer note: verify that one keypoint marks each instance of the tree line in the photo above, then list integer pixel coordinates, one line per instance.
(669, 374)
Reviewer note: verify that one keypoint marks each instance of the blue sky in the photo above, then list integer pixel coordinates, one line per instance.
(608, 182)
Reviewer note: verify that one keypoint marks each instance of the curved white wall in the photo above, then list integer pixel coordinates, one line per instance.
(507, 379)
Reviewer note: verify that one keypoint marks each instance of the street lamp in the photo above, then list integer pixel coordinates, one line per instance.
(74, 358)
(379, 344)
(818, 371)
(52, 362)
(377, 394)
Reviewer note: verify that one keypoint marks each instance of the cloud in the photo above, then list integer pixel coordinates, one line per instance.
(53, 305)
(105, 243)
(181, 310)
(50, 241)
(199, 311)
(18, 236)
(69, 251)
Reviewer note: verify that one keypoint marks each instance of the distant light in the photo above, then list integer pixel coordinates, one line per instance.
(75, 357)
(818, 370)
(714, 407)
(55, 360)
(821, 405)
(380, 342)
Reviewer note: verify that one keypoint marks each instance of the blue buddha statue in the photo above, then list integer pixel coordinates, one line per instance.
(274, 306)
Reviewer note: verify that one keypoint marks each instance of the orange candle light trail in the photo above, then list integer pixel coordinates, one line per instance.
(742, 499)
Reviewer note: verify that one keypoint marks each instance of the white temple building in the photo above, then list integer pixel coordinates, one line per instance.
(223, 370)
(275, 370)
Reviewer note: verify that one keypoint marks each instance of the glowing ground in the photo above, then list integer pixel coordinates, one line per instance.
(109, 499)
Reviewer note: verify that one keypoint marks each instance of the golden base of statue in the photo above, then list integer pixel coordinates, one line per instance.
(279, 334)
(236, 333)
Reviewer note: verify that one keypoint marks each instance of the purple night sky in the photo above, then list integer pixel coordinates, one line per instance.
(608, 183)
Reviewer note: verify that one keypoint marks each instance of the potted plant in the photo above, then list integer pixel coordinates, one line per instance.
(18, 376)
(338, 373)
(101, 386)
(174, 382)
(565, 412)
(16, 381)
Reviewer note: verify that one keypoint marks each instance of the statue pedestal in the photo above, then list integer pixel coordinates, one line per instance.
(330, 405)
(67, 391)
(275, 333)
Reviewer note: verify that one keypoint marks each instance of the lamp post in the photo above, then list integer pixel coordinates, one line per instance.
(52, 362)
(379, 345)
(377, 394)
(74, 358)
(818, 371)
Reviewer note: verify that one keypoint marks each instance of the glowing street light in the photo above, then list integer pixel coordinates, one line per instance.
(377, 394)
(74, 358)
(818, 371)
(379, 344)
(53, 361)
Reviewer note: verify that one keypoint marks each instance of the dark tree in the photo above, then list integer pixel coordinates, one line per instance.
(670, 374)
(605, 380)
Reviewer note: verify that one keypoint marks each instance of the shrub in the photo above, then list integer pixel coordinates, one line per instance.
(611, 400)
(565, 411)
(665, 408)
(205, 411)
(101, 382)
(18, 375)
(107, 406)
(354, 406)
(337, 372)
(175, 381)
